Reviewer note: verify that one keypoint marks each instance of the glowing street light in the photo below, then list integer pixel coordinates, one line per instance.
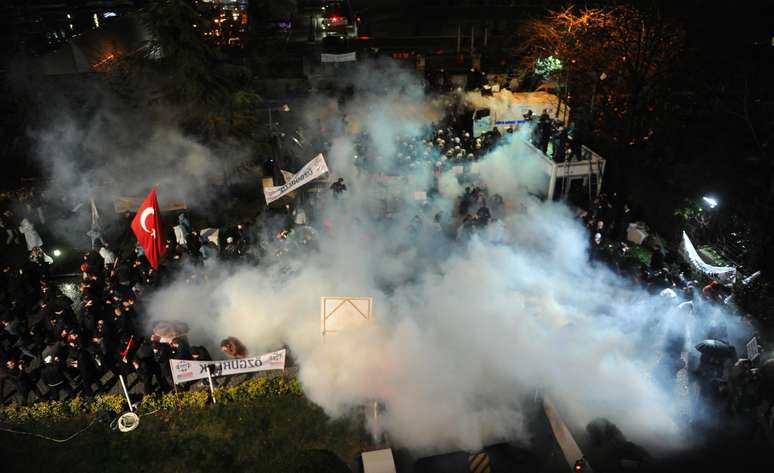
(57, 253)
(710, 201)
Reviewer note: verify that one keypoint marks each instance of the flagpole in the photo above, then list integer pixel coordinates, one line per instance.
(212, 388)
(126, 393)
(94, 221)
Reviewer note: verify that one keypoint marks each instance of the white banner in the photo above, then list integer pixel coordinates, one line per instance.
(287, 175)
(345, 57)
(313, 169)
(724, 274)
(190, 370)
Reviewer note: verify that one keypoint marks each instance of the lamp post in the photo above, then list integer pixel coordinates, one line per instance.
(284, 108)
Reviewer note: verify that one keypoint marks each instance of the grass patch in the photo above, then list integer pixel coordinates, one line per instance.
(280, 433)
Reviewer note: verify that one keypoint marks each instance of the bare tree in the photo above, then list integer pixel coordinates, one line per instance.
(620, 56)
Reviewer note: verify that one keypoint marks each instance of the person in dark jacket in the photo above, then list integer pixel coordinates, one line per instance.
(200, 353)
(14, 372)
(194, 246)
(54, 377)
(338, 187)
(622, 221)
(81, 359)
(163, 353)
(148, 368)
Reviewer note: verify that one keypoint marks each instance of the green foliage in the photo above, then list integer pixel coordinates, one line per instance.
(180, 69)
(756, 298)
(180, 53)
(640, 253)
(546, 67)
(690, 211)
(110, 402)
(254, 389)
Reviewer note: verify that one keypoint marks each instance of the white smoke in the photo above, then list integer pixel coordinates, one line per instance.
(105, 149)
(452, 352)
(462, 331)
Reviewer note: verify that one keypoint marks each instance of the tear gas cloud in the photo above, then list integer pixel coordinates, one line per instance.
(463, 330)
(103, 148)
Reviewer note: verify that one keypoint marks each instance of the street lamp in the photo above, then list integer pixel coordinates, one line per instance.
(283, 108)
(710, 201)
(274, 143)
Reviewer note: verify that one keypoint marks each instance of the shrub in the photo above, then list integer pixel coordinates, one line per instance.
(257, 388)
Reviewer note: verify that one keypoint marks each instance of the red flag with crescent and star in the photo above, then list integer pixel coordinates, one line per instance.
(147, 227)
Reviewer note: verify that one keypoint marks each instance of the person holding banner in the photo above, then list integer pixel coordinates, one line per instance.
(338, 187)
(232, 347)
(184, 371)
(147, 368)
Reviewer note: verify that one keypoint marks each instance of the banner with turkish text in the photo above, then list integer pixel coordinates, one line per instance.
(313, 169)
(190, 370)
(725, 274)
(344, 57)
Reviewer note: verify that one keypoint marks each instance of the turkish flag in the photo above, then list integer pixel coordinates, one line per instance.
(147, 227)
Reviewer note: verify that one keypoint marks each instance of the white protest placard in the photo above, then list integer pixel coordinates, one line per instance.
(458, 169)
(343, 57)
(752, 349)
(211, 234)
(340, 313)
(313, 169)
(191, 370)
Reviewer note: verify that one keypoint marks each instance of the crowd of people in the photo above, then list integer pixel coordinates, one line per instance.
(732, 383)
(56, 345)
(553, 137)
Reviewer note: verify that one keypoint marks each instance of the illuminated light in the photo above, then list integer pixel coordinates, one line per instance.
(96, 20)
(710, 201)
(109, 14)
(104, 61)
(69, 17)
(547, 66)
(57, 253)
(71, 26)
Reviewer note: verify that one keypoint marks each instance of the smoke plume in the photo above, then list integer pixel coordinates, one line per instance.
(463, 329)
